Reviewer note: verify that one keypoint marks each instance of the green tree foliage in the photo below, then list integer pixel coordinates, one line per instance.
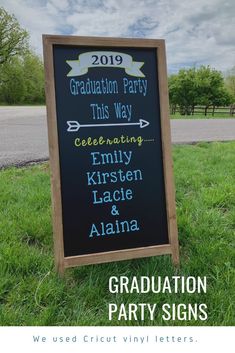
(13, 39)
(182, 90)
(22, 80)
(33, 79)
(202, 86)
(21, 70)
(230, 82)
(12, 87)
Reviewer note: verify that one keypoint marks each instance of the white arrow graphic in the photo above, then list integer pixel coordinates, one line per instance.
(74, 125)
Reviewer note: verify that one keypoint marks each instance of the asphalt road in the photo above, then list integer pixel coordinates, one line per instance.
(23, 133)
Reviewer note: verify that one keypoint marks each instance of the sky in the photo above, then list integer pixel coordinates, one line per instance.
(197, 32)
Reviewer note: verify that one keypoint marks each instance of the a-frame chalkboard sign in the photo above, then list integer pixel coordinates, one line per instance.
(110, 149)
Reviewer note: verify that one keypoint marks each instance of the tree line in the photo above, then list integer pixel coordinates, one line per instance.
(21, 70)
(202, 86)
(22, 76)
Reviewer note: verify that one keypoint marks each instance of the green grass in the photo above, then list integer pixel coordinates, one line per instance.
(202, 116)
(31, 293)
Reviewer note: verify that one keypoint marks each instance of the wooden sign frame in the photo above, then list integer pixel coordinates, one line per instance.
(172, 248)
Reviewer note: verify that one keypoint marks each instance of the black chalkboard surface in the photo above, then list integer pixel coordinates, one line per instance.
(107, 121)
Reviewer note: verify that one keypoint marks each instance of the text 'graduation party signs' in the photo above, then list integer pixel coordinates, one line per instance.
(110, 149)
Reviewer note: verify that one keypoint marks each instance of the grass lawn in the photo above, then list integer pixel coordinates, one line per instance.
(202, 116)
(32, 294)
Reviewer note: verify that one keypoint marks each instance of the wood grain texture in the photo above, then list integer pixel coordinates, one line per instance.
(172, 248)
(117, 255)
(167, 154)
(103, 41)
(54, 156)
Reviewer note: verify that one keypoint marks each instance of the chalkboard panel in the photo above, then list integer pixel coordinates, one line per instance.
(109, 149)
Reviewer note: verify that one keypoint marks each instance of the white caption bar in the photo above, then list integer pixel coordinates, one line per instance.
(117, 339)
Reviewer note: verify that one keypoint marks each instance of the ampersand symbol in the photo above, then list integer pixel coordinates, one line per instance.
(114, 211)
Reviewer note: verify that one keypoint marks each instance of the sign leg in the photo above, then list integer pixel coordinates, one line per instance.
(59, 266)
(175, 258)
